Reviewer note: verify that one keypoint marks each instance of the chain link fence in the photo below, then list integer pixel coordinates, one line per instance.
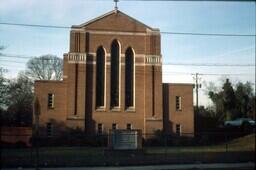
(92, 150)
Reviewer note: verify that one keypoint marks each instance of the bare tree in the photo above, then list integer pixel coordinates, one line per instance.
(3, 83)
(16, 101)
(45, 67)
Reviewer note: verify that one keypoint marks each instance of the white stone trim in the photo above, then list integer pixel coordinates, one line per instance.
(76, 62)
(91, 62)
(77, 58)
(100, 32)
(153, 59)
(109, 54)
(97, 32)
(140, 56)
(93, 54)
(81, 58)
(143, 64)
(123, 64)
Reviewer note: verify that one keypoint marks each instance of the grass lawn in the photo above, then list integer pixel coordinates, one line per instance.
(246, 143)
(220, 168)
(241, 149)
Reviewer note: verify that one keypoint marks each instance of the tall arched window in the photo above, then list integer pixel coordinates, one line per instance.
(129, 78)
(115, 50)
(100, 77)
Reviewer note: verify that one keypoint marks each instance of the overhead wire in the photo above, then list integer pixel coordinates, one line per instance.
(162, 32)
(164, 64)
(163, 72)
(193, 0)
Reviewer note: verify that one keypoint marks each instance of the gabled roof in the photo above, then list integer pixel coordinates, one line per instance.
(113, 12)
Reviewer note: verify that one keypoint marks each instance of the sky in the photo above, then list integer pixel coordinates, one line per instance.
(198, 17)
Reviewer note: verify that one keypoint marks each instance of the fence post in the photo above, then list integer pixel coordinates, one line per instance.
(37, 152)
(226, 142)
(165, 143)
(31, 152)
(36, 112)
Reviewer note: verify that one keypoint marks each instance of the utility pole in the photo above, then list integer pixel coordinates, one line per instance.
(197, 86)
(36, 110)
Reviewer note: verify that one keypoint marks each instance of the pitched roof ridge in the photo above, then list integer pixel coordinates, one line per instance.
(110, 13)
(93, 20)
(136, 20)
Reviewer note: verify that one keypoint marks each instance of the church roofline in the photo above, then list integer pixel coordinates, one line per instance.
(110, 13)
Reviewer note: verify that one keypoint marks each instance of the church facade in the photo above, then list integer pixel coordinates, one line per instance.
(112, 79)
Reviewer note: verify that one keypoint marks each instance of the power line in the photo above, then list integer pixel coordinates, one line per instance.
(175, 64)
(193, 0)
(164, 72)
(34, 25)
(24, 62)
(9, 61)
(162, 32)
(174, 73)
(209, 34)
(164, 64)
(211, 64)
(207, 74)
(225, 74)
(177, 73)
(15, 56)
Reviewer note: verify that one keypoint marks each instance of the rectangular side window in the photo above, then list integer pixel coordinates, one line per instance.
(100, 128)
(129, 126)
(49, 130)
(50, 100)
(178, 129)
(178, 103)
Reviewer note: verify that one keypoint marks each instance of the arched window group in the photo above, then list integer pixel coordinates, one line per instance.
(100, 77)
(115, 57)
(115, 76)
(129, 81)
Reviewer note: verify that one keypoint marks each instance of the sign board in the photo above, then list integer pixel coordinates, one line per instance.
(125, 139)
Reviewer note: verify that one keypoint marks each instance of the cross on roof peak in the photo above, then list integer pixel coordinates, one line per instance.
(116, 4)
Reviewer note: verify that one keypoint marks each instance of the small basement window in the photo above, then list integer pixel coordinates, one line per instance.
(114, 126)
(129, 126)
(100, 128)
(49, 129)
(178, 129)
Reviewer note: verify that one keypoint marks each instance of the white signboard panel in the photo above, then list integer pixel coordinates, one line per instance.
(125, 139)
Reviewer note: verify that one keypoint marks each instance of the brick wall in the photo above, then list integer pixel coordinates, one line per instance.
(75, 96)
(59, 112)
(183, 117)
(13, 135)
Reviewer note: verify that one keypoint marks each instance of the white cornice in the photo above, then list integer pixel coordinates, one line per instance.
(104, 32)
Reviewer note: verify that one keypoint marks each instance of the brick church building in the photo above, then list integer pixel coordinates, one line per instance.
(112, 79)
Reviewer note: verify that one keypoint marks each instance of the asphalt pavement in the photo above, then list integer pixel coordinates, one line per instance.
(233, 166)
